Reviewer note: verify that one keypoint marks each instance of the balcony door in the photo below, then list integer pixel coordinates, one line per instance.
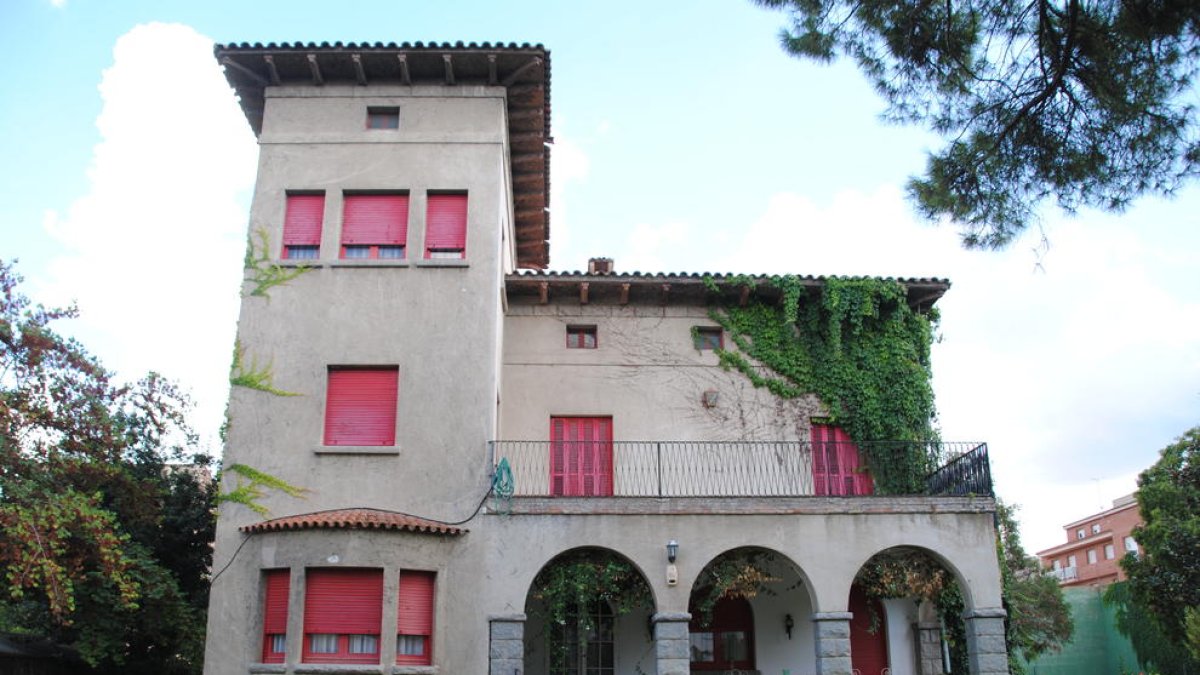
(837, 469)
(581, 457)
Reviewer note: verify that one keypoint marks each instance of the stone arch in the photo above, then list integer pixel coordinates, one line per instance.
(601, 624)
(779, 629)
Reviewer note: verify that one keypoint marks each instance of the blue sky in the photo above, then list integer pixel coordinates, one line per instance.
(685, 141)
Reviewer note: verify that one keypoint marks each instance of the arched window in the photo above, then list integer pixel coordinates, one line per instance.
(727, 641)
(583, 645)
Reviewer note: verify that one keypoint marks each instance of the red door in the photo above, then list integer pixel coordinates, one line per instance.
(581, 456)
(868, 634)
(837, 469)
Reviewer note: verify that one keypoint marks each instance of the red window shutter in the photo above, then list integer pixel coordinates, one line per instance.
(837, 467)
(446, 224)
(581, 462)
(343, 601)
(275, 611)
(375, 220)
(302, 222)
(415, 614)
(360, 406)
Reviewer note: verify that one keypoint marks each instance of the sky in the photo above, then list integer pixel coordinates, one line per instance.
(685, 141)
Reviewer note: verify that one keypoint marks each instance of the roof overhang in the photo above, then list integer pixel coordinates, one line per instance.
(354, 519)
(523, 70)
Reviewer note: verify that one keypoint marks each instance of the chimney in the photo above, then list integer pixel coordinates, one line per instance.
(600, 266)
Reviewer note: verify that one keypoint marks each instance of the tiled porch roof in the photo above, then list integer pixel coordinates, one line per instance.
(354, 519)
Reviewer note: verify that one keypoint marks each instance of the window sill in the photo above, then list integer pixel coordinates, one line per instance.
(357, 450)
(338, 668)
(299, 262)
(414, 670)
(443, 262)
(268, 668)
(370, 262)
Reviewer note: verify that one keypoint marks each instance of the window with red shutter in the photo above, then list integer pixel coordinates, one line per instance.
(414, 619)
(275, 613)
(581, 461)
(446, 226)
(302, 226)
(581, 337)
(343, 611)
(837, 467)
(360, 406)
(374, 226)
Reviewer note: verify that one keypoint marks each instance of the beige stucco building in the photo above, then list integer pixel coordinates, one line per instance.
(404, 349)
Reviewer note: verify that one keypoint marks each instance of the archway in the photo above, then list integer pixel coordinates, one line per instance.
(751, 611)
(588, 613)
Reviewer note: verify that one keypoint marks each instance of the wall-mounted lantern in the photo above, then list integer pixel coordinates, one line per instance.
(672, 550)
(788, 625)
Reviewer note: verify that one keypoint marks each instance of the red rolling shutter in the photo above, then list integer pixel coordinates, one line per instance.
(415, 615)
(446, 224)
(581, 461)
(343, 601)
(837, 467)
(375, 220)
(302, 222)
(360, 406)
(275, 611)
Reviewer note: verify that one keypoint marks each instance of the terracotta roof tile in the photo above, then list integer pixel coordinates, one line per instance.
(354, 519)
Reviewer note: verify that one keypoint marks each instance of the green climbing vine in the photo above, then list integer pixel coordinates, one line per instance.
(262, 268)
(858, 345)
(743, 573)
(253, 376)
(577, 580)
(250, 487)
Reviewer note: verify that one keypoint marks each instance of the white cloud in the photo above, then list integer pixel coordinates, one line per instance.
(58, 4)
(154, 246)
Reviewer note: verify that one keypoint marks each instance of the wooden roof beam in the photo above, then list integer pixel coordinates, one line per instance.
(492, 69)
(230, 63)
(624, 294)
(358, 69)
(514, 75)
(666, 293)
(270, 61)
(315, 69)
(744, 298)
(583, 293)
(543, 292)
(405, 77)
(448, 62)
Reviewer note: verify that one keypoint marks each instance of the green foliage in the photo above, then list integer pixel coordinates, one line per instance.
(1088, 103)
(253, 375)
(861, 349)
(103, 545)
(742, 573)
(1156, 651)
(250, 487)
(261, 267)
(579, 579)
(1165, 580)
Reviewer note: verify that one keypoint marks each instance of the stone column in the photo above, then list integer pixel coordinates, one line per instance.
(986, 648)
(672, 646)
(929, 640)
(506, 644)
(832, 642)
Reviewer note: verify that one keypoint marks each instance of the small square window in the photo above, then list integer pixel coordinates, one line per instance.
(1071, 561)
(1096, 528)
(707, 338)
(581, 337)
(1091, 556)
(383, 118)
(1080, 533)
(1109, 552)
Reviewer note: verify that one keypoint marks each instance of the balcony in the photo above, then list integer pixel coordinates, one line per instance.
(1065, 574)
(724, 468)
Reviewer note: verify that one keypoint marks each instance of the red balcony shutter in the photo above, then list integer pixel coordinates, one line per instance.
(343, 601)
(375, 220)
(415, 615)
(275, 611)
(446, 224)
(837, 467)
(360, 406)
(581, 462)
(302, 222)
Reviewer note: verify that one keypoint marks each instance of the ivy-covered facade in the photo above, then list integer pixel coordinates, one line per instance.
(495, 468)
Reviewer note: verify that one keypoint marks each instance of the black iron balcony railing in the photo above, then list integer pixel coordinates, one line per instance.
(722, 468)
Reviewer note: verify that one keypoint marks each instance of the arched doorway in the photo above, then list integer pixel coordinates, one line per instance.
(722, 639)
(587, 611)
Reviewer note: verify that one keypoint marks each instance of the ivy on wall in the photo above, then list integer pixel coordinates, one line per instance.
(860, 348)
(261, 268)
